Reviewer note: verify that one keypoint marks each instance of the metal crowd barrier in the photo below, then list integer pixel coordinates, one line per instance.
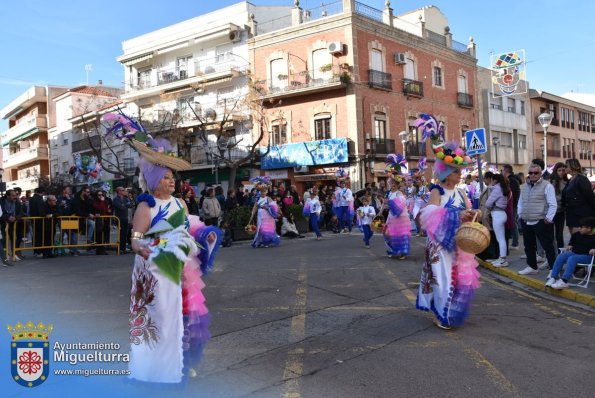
(58, 233)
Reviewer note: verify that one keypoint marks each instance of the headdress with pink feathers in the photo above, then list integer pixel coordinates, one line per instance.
(261, 180)
(341, 174)
(395, 165)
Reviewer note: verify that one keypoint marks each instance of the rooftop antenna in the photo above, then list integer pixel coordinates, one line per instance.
(88, 68)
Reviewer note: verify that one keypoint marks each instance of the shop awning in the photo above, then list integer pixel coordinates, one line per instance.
(20, 137)
(137, 59)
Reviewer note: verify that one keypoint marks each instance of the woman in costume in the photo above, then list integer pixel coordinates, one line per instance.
(449, 275)
(397, 229)
(168, 316)
(421, 195)
(267, 212)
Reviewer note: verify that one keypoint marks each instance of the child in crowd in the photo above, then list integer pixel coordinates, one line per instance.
(227, 238)
(580, 249)
(333, 224)
(288, 228)
(366, 214)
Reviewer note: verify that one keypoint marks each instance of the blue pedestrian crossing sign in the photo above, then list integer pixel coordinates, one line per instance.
(475, 141)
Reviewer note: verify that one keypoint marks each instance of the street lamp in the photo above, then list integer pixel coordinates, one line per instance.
(404, 135)
(496, 141)
(588, 153)
(541, 146)
(545, 119)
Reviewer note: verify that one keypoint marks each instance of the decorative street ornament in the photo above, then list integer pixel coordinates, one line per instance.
(508, 73)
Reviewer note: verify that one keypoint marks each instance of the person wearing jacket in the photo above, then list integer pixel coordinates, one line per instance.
(82, 206)
(496, 204)
(102, 207)
(51, 216)
(515, 188)
(12, 213)
(577, 198)
(37, 209)
(121, 205)
(211, 209)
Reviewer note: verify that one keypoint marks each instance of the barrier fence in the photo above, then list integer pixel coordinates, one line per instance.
(53, 234)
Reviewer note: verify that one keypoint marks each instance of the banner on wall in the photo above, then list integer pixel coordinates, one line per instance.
(508, 73)
(310, 153)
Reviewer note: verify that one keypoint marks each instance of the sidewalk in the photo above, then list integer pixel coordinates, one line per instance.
(581, 295)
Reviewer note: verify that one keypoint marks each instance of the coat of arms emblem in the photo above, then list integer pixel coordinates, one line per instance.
(29, 353)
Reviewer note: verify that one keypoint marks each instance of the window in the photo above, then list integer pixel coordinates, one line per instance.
(376, 60)
(55, 143)
(183, 106)
(437, 76)
(279, 134)
(55, 169)
(65, 167)
(462, 84)
(410, 69)
(278, 73)
(380, 126)
(522, 107)
(511, 105)
(322, 128)
(182, 66)
(225, 96)
(505, 138)
(144, 78)
(522, 141)
(64, 139)
(321, 60)
(496, 102)
(584, 121)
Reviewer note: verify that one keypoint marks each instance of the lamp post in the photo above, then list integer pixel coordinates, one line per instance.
(590, 163)
(541, 146)
(496, 141)
(404, 135)
(545, 119)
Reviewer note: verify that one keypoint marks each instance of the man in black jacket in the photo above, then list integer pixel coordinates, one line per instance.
(515, 188)
(52, 214)
(82, 206)
(37, 209)
(12, 213)
(121, 204)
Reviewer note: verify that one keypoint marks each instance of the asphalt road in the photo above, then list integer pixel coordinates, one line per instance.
(314, 319)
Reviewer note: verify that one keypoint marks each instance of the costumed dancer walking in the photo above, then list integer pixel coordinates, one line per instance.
(365, 216)
(168, 316)
(344, 202)
(421, 195)
(449, 275)
(266, 211)
(397, 229)
(312, 209)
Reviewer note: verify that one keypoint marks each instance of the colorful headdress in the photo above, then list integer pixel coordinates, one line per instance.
(395, 165)
(449, 156)
(157, 155)
(261, 181)
(341, 175)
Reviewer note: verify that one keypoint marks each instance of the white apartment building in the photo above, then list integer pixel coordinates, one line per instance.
(507, 121)
(198, 67)
(68, 137)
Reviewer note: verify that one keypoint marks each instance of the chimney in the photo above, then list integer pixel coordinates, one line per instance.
(99, 82)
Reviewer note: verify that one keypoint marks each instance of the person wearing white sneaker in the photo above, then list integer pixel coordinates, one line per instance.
(537, 209)
(559, 284)
(501, 262)
(580, 250)
(497, 203)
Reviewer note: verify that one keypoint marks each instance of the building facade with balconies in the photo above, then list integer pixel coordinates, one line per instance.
(25, 143)
(507, 121)
(346, 71)
(190, 79)
(68, 136)
(571, 133)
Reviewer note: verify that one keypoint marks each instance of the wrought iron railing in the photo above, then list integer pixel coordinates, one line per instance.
(465, 100)
(383, 145)
(379, 79)
(413, 88)
(367, 11)
(308, 79)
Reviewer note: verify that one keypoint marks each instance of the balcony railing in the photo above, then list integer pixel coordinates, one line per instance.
(303, 81)
(83, 144)
(209, 156)
(383, 145)
(414, 149)
(24, 126)
(195, 69)
(379, 79)
(554, 122)
(465, 100)
(413, 88)
(25, 156)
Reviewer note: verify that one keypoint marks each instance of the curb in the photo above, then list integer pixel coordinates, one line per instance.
(569, 294)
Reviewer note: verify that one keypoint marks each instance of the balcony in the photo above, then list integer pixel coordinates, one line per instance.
(465, 100)
(25, 156)
(203, 156)
(158, 80)
(413, 88)
(26, 127)
(84, 145)
(414, 149)
(26, 183)
(383, 146)
(381, 80)
(303, 83)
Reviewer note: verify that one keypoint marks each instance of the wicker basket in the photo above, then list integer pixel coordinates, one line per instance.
(377, 224)
(472, 237)
(250, 229)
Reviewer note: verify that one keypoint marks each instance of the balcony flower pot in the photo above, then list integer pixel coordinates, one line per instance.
(326, 68)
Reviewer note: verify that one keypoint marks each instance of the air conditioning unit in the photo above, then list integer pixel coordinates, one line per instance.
(368, 147)
(335, 47)
(399, 58)
(235, 35)
(300, 169)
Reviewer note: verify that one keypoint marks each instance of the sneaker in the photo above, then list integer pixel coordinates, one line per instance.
(441, 326)
(550, 281)
(513, 247)
(528, 271)
(540, 259)
(523, 256)
(38, 255)
(559, 284)
(5, 263)
(402, 257)
(501, 262)
(16, 258)
(367, 246)
(545, 265)
(491, 260)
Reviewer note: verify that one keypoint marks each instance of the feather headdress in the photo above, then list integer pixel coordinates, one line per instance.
(395, 166)
(260, 181)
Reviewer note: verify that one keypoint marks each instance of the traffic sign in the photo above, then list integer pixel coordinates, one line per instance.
(475, 141)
